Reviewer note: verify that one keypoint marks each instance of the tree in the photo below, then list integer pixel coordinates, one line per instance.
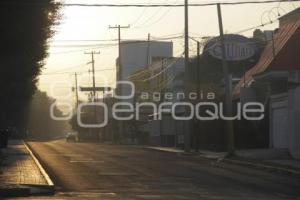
(259, 36)
(39, 121)
(25, 29)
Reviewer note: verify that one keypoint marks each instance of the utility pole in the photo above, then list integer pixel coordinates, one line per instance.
(93, 72)
(148, 51)
(119, 27)
(76, 90)
(197, 125)
(187, 136)
(228, 85)
(94, 86)
(198, 67)
(119, 71)
(161, 90)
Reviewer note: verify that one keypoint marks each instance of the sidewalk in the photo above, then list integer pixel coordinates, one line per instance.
(277, 160)
(20, 172)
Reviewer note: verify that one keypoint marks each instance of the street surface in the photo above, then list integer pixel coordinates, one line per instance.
(98, 171)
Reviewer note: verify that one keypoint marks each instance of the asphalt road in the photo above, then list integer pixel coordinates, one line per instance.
(98, 171)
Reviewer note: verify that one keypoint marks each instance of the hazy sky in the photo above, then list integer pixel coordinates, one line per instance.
(91, 23)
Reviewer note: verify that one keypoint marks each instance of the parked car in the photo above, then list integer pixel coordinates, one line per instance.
(72, 137)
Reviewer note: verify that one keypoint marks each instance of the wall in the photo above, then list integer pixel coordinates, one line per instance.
(294, 121)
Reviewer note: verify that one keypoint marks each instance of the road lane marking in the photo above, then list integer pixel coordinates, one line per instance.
(86, 161)
(116, 174)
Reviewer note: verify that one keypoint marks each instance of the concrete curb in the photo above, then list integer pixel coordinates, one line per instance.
(179, 152)
(263, 166)
(40, 189)
(160, 150)
(236, 161)
(14, 191)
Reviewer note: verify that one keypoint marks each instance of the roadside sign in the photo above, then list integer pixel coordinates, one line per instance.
(237, 47)
(90, 89)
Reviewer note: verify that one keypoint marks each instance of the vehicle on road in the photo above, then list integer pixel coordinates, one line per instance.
(72, 137)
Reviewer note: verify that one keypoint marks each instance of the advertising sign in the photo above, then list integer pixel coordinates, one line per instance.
(237, 47)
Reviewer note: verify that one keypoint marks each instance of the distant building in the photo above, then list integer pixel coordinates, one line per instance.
(154, 61)
(169, 82)
(138, 55)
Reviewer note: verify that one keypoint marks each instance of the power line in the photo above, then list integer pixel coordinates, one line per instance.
(262, 24)
(72, 51)
(99, 46)
(151, 17)
(79, 45)
(254, 27)
(81, 72)
(80, 40)
(115, 40)
(62, 70)
(152, 68)
(156, 21)
(169, 35)
(163, 70)
(148, 5)
(140, 15)
(165, 37)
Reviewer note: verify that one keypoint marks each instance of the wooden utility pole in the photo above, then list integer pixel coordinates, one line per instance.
(197, 125)
(76, 90)
(119, 27)
(228, 85)
(188, 127)
(198, 67)
(93, 72)
(148, 52)
(94, 87)
(119, 71)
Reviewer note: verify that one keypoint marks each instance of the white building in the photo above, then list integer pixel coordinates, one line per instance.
(138, 55)
(154, 57)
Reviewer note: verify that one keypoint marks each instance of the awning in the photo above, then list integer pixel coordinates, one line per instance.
(281, 53)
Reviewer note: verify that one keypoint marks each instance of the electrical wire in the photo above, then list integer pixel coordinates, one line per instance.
(58, 73)
(140, 15)
(163, 70)
(95, 47)
(151, 69)
(151, 17)
(74, 67)
(254, 27)
(157, 20)
(147, 5)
